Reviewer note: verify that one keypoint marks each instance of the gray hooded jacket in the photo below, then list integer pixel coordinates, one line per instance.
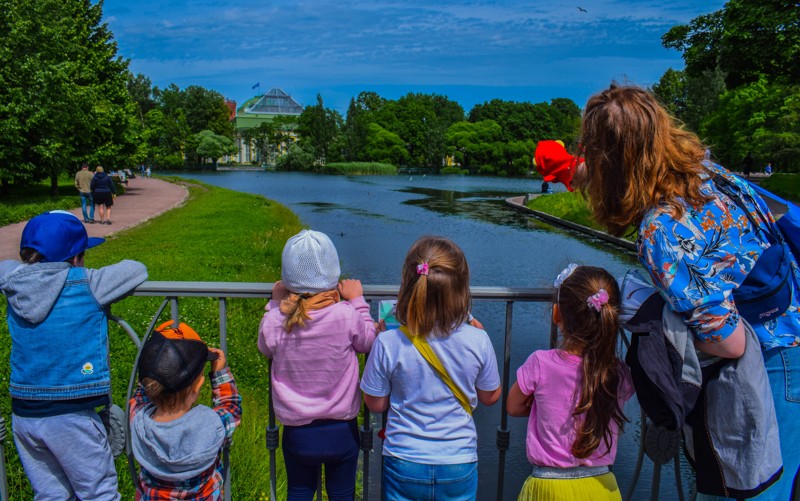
(33, 289)
(177, 450)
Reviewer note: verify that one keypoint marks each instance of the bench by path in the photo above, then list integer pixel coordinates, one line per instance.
(144, 198)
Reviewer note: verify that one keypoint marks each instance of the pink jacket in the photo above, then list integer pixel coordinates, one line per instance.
(315, 368)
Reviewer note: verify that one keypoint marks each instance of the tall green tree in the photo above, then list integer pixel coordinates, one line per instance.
(745, 39)
(213, 146)
(319, 127)
(140, 89)
(523, 121)
(762, 118)
(63, 90)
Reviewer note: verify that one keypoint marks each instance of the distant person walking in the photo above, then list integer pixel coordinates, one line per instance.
(747, 165)
(83, 182)
(768, 169)
(147, 172)
(104, 192)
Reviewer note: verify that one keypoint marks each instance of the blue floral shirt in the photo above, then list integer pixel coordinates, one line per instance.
(698, 259)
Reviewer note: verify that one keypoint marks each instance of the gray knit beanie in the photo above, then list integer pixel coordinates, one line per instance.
(310, 263)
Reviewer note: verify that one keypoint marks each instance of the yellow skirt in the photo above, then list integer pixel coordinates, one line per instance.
(601, 487)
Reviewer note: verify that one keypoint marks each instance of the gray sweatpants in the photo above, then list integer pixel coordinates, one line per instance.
(66, 456)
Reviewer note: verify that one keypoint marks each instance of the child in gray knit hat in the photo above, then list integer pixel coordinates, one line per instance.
(312, 330)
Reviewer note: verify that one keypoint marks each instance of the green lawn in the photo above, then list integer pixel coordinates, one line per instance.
(784, 185)
(218, 235)
(24, 203)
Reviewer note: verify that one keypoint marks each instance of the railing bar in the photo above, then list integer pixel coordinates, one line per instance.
(678, 480)
(272, 441)
(639, 460)
(3, 475)
(175, 315)
(223, 345)
(128, 329)
(503, 435)
(131, 384)
(656, 482)
(371, 292)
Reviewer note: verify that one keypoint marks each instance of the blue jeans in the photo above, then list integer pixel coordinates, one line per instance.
(783, 371)
(306, 448)
(86, 198)
(408, 481)
(66, 456)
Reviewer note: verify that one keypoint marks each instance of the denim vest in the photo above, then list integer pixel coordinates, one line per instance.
(65, 356)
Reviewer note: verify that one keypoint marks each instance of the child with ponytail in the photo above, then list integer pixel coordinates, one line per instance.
(312, 330)
(430, 374)
(574, 395)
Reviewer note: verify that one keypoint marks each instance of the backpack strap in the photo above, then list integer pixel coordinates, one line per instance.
(421, 344)
(737, 195)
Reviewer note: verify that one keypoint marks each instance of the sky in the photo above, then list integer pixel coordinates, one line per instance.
(470, 51)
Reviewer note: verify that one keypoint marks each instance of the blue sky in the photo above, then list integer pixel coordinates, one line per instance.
(470, 51)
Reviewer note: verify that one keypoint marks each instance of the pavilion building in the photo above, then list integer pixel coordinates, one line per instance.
(259, 110)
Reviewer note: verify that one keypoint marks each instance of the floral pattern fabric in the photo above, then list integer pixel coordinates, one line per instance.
(696, 260)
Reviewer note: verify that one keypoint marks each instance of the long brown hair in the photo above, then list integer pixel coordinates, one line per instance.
(637, 157)
(593, 334)
(439, 301)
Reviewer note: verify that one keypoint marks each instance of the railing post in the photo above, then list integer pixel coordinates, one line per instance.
(3, 477)
(273, 437)
(503, 434)
(365, 436)
(173, 306)
(223, 345)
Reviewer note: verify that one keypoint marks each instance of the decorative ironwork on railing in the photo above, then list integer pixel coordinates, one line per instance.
(223, 291)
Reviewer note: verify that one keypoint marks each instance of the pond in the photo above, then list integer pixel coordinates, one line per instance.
(373, 220)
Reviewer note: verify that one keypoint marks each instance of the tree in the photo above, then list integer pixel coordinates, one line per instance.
(63, 90)
(762, 118)
(476, 145)
(140, 89)
(745, 39)
(670, 90)
(523, 121)
(319, 127)
(214, 146)
(384, 146)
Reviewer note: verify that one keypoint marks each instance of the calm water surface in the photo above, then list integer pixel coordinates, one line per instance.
(373, 220)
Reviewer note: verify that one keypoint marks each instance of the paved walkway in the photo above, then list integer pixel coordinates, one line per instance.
(144, 199)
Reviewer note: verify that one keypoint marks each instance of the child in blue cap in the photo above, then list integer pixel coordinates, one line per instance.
(57, 318)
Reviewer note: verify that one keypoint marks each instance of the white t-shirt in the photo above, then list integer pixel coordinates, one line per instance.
(426, 422)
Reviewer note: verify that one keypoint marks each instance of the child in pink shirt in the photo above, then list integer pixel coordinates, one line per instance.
(574, 395)
(312, 330)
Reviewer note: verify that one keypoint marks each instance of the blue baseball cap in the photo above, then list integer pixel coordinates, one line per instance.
(57, 235)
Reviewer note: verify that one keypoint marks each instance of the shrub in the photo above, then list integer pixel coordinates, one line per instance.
(454, 170)
(360, 168)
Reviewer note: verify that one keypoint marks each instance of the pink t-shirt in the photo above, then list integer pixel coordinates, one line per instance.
(315, 368)
(554, 378)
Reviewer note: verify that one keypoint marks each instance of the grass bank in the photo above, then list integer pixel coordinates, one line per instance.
(28, 201)
(783, 185)
(218, 235)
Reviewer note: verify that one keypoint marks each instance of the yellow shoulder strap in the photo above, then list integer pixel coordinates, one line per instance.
(430, 356)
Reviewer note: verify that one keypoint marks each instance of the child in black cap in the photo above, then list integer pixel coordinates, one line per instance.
(176, 442)
(57, 318)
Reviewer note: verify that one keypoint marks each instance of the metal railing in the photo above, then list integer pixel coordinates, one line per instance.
(223, 291)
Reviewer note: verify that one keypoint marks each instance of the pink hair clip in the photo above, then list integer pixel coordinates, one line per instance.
(422, 269)
(597, 300)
